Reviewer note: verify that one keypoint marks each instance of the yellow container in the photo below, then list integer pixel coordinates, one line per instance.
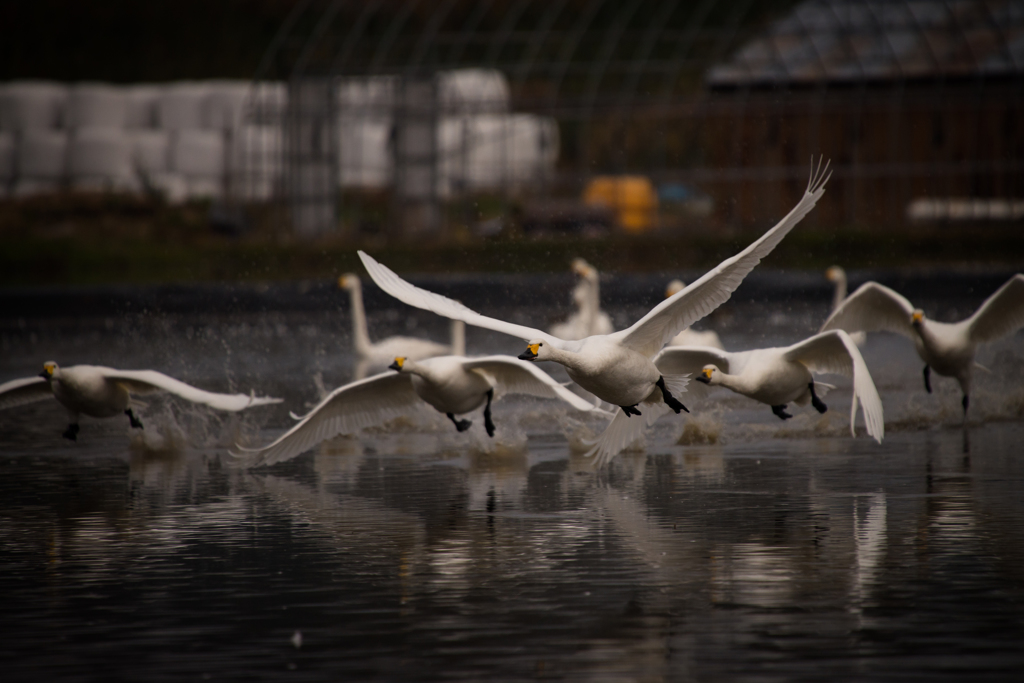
(631, 197)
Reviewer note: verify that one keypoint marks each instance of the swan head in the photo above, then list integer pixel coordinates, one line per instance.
(917, 317)
(536, 350)
(348, 281)
(584, 269)
(50, 370)
(710, 374)
(835, 274)
(398, 364)
(674, 287)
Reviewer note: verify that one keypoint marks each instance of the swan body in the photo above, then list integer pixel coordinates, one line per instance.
(369, 354)
(453, 385)
(102, 392)
(779, 376)
(588, 319)
(690, 336)
(618, 367)
(946, 348)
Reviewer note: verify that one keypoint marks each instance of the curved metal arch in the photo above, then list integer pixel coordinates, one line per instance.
(540, 38)
(278, 40)
(354, 33)
(316, 36)
(597, 73)
(512, 18)
(426, 37)
(651, 37)
(685, 45)
(561, 65)
(480, 11)
(380, 54)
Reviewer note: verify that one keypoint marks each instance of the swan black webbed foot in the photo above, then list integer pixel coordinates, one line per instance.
(670, 400)
(781, 411)
(488, 423)
(136, 422)
(818, 404)
(928, 379)
(71, 432)
(460, 425)
(630, 410)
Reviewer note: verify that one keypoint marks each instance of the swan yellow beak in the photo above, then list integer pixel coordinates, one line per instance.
(916, 317)
(397, 365)
(705, 376)
(530, 353)
(344, 282)
(47, 372)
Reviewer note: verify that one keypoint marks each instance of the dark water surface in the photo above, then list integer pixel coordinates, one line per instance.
(734, 547)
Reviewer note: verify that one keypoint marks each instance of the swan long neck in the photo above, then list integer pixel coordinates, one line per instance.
(458, 340)
(840, 291)
(732, 382)
(360, 336)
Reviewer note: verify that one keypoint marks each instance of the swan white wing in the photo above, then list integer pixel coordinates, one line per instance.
(835, 352)
(18, 392)
(623, 430)
(347, 409)
(700, 298)
(513, 376)
(873, 308)
(145, 381)
(408, 293)
(690, 360)
(1001, 314)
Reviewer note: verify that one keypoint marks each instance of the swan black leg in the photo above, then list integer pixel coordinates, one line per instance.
(71, 432)
(781, 412)
(136, 423)
(670, 400)
(460, 425)
(928, 379)
(965, 403)
(818, 404)
(630, 410)
(488, 424)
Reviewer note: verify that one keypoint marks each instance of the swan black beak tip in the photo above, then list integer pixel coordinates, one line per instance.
(395, 366)
(527, 355)
(703, 380)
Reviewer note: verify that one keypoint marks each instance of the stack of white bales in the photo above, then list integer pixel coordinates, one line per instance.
(33, 144)
(184, 140)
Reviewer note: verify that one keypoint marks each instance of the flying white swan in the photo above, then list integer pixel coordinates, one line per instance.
(588, 319)
(837, 276)
(690, 336)
(618, 368)
(778, 376)
(947, 348)
(454, 385)
(369, 354)
(97, 391)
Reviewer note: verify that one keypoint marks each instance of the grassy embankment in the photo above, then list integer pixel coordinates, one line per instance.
(70, 241)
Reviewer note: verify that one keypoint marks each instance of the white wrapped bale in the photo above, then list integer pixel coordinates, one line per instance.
(257, 161)
(41, 157)
(141, 106)
(473, 91)
(150, 152)
(197, 153)
(32, 105)
(268, 101)
(365, 153)
(181, 106)
(198, 156)
(225, 104)
(96, 105)
(372, 97)
(491, 151)
(100, 159)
